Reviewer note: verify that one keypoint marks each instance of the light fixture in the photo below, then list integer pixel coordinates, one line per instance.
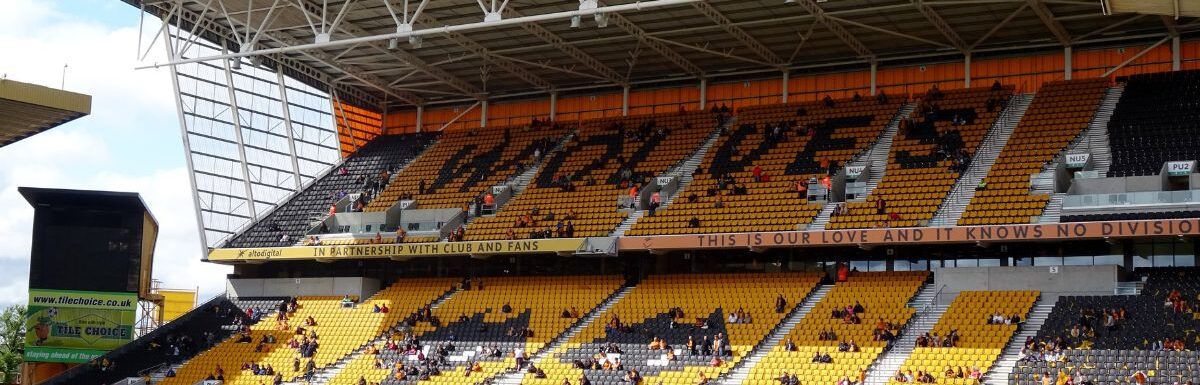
(601, 20)
(575, 21)
(415, 41)
(789, 1)
(392, 44)
(322, 37)
(235, 63)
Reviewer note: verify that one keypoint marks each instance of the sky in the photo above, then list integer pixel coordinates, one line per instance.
(131, 141)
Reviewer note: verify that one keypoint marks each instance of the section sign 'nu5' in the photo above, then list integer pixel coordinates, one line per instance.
(77, 326)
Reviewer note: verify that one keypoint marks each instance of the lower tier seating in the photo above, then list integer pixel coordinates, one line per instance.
(855, 312)
(968, 339)
(676, 329)
(297, 343)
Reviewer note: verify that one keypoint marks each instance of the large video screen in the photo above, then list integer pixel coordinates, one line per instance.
(77, 326)
(86, 250)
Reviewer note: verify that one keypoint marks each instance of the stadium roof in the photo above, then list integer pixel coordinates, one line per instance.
(28, 109)
(451, 55)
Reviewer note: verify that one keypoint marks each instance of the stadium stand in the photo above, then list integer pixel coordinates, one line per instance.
(883, 298)
(969, 337)
(295, 217)
(175, 341)
(786, 144)
(585, 177)
(337, 331)
(1154, 123)
(1110, 339)
(674, 309)
(465, 164)
(1059, 113)
(926, 158)
(509, 316)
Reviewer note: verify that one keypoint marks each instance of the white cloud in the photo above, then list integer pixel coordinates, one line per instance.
(130, 142)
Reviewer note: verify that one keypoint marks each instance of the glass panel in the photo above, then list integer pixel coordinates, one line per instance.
(1077, 261)
(1109, 260)
(1047, 261)
(989, 262)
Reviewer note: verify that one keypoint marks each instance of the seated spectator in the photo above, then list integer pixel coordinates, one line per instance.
(694, 222)
(346, 301)
(506, 308)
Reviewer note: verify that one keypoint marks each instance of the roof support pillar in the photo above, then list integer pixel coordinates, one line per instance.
(420, 117)
(1175, 54)
(235, 117)
(874, 73)
(967, 70)
(553, 106)
(287, 126)
(1068, 66)
(703, 94)
(783, 96)
(483, 113)
(1136, 56)
(625, 100)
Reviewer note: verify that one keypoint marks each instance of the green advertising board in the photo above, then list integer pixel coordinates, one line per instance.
(77, 326)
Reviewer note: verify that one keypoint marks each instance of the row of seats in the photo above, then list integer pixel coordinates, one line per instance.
(339, 331)
(643, 146)
(979, 342)
(646, 312)
(883, 296)
(810, 137)
(1059, 113)
(464, 164)
(1131, 216)
(919, 174)
(1155, 122)
(296, 216)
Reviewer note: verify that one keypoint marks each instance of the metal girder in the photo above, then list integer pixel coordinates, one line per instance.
(658, 46)
(486, 55)
(942, 26)
(999, 25)
(815, 9)
(206, 24)
(1047, 17)
(570, 50)
(404, 56)
(738, 33)
(1170, 23)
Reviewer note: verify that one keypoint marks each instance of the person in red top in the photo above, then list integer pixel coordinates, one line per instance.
(802, 189)
(633, 194)
(489, 199)
(757, 173)
(332, 210)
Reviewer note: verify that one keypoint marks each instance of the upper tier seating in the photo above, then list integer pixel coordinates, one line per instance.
(926, 157)
(975, 342)
(1059, 113)
(338, 331)
(593, 161)
(805, 146)
(1154, 332)
(473, 327)
(295, 217)
(465, 164)
(882, 296)
(1155, 122)
(669, 307)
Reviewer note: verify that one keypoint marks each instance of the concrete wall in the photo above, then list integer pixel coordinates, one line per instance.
(1068, 280)
(288, 287)
(1117, 185)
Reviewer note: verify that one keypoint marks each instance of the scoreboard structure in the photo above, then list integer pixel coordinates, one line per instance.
(90, 264)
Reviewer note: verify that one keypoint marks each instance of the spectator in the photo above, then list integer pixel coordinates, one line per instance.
(802, 190)
(400, 235)
(694, 222)
(655, 201)
(757, 173)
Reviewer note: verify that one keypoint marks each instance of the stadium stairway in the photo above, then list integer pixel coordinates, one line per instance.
(878, 155)
(1098, 131)
(521, 181)
(998, 375)
(928, 314)
(1053, 212)
(683, 171)
(960, 195)
(322, 376)
(742, 370)
(514, 377)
